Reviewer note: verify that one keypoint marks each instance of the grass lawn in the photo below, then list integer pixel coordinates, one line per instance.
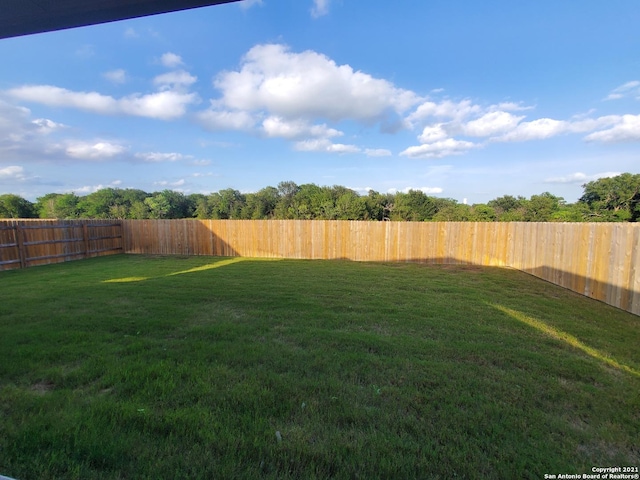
(170, 367)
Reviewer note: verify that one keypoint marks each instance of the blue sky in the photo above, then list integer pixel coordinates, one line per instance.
(465, 100)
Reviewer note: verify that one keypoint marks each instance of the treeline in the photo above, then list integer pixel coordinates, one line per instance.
(615, 199)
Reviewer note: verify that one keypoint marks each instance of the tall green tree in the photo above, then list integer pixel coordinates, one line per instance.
(541, 208)
(613, 199)
(14, 206)
(414, 206)
(58, 205)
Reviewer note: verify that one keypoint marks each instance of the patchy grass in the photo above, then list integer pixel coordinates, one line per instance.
(166, 367)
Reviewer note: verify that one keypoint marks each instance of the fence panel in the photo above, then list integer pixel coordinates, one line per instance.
(27, 243)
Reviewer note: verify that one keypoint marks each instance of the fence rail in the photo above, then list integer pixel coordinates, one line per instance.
(599, 260)
(25, 243)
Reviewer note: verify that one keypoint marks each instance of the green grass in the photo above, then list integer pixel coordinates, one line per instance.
(165, 367)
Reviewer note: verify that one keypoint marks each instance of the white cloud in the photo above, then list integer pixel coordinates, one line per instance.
(626, 130)
(157, 157)
(325, 145)
(171, 60)
(583, 125)
(166, 105)
(539, 129)
(246, 4)
(165, 183)
(118, 76)
(86, 189)
(631, 88)
(293, 129)
(439, 149)
(445, 110)
(377, 152)
(308, 85)
(492, 123)
(213, 119)
(12, 172)
(46, 126)
(176, 79)
(433, 133)
(320, 8)
(94, 151)
(581, 178)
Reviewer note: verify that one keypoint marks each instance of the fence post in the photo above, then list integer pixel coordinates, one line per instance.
(85, 237)
(22, 254)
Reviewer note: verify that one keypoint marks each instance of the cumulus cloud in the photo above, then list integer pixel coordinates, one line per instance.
(292, 129)
(439, 149)
(118, 76)
(12, 172)
(631, 88)
(539, 129)
(325, 145)
(445, 109)
(158, 157)
(320, 8)
(308, 85)
(433, 133)
(46, 126)
(627, 129)
(214, 119)
(165, 105)
(581, 178)
(165, 183)
(94, 151)
(492, 123)
(171, 60)
(175, 79)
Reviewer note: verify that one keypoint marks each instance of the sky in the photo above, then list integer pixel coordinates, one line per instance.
(460, 99)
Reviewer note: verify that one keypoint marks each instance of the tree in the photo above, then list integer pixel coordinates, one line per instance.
(262, 204)
(613, 199)
(104, 203)
(14, 206)
(483, 213)
(226, 204)
(454, 212)
(286, 191)
(414, 206)
(58, 205)
(509, 208)
(200, 204)
(540, 208)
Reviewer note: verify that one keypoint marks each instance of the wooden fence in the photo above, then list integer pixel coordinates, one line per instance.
(26, 243)
(599, 260)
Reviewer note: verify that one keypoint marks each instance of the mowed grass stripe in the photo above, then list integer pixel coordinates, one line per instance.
(186, 367)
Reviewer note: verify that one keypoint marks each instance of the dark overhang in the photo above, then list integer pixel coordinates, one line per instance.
(24, 17)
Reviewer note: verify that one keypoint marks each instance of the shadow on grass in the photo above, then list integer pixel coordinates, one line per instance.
(564, 337)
